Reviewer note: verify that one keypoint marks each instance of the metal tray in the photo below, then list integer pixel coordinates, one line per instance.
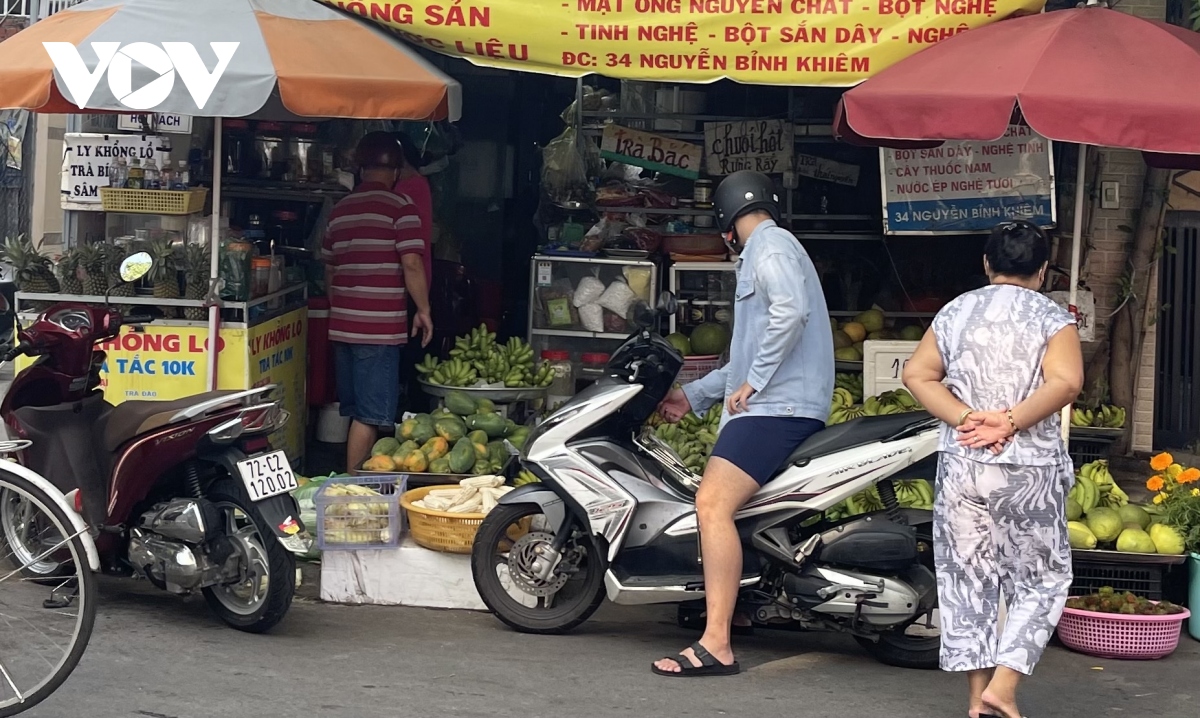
(1100, 555)
(1097, 432)
(499, 396)
(425, 479)
(848, 366)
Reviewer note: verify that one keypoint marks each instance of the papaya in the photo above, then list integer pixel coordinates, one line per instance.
(450, 428)
(406, 448)
(492, 424)
(459, 403)
(425, 429)
(436, 448)
(497, 453)
(385, 446)
(481, 467)
(440, 412)
(509, 427)
(462, 456)
(415, 461)
(379, 463)
(519, 437)
(478, 437)
(440, 466)
(407, 429)
(485, 406)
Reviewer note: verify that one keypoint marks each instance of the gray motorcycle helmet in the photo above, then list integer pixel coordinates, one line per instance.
(742, 192)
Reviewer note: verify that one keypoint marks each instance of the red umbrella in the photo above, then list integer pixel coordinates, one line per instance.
(1088, 75)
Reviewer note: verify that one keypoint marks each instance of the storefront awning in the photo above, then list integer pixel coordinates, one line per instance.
(769, 42)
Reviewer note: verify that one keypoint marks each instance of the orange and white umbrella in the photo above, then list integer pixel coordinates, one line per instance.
(220, 58)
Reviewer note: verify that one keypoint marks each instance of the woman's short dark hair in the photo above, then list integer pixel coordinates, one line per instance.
(412, 156)
(1017, 249)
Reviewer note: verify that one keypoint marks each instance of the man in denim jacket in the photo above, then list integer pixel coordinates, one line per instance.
(776, 388)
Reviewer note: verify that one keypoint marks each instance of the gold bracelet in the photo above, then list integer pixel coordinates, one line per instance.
(1011, 422)
(964, 416)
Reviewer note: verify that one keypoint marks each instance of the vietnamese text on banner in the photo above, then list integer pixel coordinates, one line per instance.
(769, 42)
(964, 187)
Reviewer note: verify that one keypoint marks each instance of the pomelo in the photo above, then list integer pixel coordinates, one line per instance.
(1135, 541)
(855, 331)
(872, 320)
(680, 342)
(841, 340)
(1134, 515)
(710, 339)
(847, 354)
(912, 333)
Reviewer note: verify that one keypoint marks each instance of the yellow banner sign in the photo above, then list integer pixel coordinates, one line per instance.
(770, 42)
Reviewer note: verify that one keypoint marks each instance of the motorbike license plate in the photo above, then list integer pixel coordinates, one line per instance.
(267, 475)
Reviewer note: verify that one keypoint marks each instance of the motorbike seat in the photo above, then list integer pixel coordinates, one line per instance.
(134, 418)
(859, 432)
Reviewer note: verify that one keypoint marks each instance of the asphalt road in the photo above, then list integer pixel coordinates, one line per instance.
(155, 656)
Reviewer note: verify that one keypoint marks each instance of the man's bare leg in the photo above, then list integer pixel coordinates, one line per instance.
(358, 444)
(724, 489)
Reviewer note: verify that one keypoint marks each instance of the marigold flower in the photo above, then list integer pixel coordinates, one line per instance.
(1195, 492)
(1162, 461)
(1155, 483)
(1159, 498)
(1189, 475)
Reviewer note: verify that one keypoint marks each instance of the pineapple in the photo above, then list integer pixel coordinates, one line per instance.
(68, 272)
(196, 270)
(165, 274)
(33, 271)
(94, 259)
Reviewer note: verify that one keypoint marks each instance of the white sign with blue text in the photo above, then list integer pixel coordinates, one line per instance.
(966, 187)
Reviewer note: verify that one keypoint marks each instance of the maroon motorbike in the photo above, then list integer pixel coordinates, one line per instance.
(187, 494)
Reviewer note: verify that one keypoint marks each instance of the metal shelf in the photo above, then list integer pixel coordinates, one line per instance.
(577, 334)
(650, 210)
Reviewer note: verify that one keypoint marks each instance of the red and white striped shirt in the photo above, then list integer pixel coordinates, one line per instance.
(369, 231)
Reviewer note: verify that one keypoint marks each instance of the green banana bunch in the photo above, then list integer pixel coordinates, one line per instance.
(455, 372)
(428, 365)
(915, 493)
(525, 477)
(1082, 417)
(842, 398)
(851, 382)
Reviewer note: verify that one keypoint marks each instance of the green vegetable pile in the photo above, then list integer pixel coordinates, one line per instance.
(477, 359)
(1109, 601)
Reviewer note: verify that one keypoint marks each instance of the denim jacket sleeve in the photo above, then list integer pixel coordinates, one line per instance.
(788, 314)
(708, 390)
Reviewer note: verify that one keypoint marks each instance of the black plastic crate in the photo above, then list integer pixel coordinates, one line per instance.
(1144, 580)
(1086, 450)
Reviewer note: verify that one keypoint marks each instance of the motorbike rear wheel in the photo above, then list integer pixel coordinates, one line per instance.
(910, 645)
(509, 537)
(260, 601)
(24, 533)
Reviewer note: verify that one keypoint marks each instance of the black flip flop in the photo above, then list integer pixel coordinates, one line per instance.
(709, 666)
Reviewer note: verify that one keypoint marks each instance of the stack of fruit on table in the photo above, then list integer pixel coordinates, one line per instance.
(1099, 515)
(1100, 417)
(848, 337)
(692, 438)
(478, 361)
(466, 436)
(843, 406)
(708, 339)
(476, 496)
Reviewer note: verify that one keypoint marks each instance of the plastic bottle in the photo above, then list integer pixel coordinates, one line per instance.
(167, 176)
(136, 175)
(118, 172)
(183, 177)
(562, 388)
(150, 176)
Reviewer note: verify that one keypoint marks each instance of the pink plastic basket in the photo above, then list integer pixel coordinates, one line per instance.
(1115, 635)
(698, 367)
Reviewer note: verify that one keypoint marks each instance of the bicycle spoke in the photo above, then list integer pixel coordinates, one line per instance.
(16, 691)
(52, 549)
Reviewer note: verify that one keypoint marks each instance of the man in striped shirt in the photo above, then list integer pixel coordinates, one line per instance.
(374, 253)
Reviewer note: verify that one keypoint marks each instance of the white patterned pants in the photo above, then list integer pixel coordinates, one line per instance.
(999, 528)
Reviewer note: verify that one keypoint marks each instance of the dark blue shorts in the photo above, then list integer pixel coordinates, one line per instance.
(759, 445)
(368, 382)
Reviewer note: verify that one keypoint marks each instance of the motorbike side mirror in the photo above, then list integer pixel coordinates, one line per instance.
(667, 304)
(136, 266)
(4, 305)
(641, 315)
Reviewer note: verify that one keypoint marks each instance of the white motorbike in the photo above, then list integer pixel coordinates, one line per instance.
(614, 515)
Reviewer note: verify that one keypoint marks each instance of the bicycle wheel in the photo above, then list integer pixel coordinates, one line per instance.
(45, 623)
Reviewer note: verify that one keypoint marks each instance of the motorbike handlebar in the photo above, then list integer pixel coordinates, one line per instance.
(137, 319)
(16, 351)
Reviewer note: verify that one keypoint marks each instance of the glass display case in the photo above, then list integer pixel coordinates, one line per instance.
(705, 293)
(578, 306)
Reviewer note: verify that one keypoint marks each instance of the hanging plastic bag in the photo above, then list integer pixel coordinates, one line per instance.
(564, 172)
(592, 317)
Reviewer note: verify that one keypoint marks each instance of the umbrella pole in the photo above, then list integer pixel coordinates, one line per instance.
(1076, 252)
(214, 268)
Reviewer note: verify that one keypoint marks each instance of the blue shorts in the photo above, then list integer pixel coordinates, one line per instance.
(368, 382)
(759, 445)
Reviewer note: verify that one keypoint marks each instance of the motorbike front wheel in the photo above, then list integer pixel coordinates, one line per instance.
(263, 595)
(506, 563)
